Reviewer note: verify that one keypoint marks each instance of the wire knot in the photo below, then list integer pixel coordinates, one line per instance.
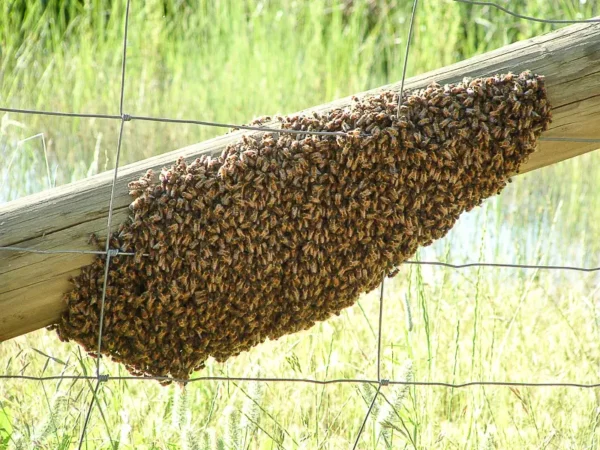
(112, 252)
(103, 378)
(126, 117)
(384, 382)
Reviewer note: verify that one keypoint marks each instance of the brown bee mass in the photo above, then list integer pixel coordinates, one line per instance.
(284, 230)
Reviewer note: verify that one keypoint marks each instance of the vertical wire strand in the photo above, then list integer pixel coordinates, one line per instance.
(113, 187)
(381, 294)
(408, 42)
(88, 415)
(124, 61)
(380, 330)
(107, 249)
(364, 422)
(109, 225)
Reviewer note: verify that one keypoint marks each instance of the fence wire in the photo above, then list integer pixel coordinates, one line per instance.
(381, 382)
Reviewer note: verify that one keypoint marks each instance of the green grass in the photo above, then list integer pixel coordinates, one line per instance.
(232, 61)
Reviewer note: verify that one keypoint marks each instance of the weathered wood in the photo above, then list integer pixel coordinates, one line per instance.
(31, 285)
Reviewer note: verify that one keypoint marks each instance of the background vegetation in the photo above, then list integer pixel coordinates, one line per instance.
(231, 61)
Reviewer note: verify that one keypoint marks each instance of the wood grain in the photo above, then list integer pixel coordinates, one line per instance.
(31, 285)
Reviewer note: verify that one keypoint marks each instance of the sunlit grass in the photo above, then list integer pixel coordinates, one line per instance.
(234, 60)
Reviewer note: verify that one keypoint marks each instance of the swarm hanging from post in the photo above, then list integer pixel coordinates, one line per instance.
(282, 230)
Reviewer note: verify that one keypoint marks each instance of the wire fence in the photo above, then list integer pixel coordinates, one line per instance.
(381, 382)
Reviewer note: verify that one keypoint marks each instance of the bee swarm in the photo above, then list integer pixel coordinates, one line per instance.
(283, 230)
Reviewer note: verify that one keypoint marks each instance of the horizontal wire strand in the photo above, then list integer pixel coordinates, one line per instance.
(570, 139)
(466, 384)
(502, 265)
(128, 117)
(521, 16)
(37, 112)
(115, 253)
(240, 127)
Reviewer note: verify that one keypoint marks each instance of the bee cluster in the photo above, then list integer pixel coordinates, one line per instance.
(284, 230)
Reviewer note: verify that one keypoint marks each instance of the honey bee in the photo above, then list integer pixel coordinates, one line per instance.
(310, 222)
